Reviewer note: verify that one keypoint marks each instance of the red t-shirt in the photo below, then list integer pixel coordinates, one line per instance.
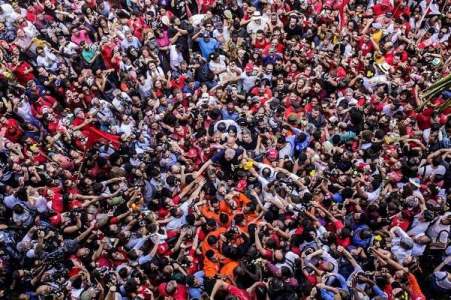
(261, 44)
(21, 75)
(424, 119)
(239, 293)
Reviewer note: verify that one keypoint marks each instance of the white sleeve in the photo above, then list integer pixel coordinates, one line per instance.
(402, 234)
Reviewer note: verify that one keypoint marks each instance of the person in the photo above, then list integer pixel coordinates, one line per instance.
(225, 149)
(207, 44)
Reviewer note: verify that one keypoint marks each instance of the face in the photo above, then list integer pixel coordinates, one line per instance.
(229, 154)
(209, 27)
(83, 252)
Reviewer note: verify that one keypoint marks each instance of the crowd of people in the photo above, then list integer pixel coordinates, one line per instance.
(224, 149)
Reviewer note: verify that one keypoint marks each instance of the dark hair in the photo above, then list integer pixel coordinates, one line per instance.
(211, 240)
(210, 253)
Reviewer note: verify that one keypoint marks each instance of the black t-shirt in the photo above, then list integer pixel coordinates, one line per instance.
(179, 9)
(292, 32)
(249, 146)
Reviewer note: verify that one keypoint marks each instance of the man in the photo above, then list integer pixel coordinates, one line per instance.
(248, 78)
(227, 159)
(173, 290)
(257, 24)
(196, 285)
(130, 41)
(207, 44)
(8, 15)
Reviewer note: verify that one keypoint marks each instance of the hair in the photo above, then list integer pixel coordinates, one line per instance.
(211, 240)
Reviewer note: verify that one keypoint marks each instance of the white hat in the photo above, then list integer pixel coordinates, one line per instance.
(256, 15)
(384, 67)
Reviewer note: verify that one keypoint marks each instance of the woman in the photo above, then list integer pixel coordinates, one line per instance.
(90, 56)
(103, 29)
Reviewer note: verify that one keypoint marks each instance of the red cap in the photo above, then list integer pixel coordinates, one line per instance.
(249, 67)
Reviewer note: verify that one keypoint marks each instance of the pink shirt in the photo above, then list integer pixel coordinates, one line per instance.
(82, 37)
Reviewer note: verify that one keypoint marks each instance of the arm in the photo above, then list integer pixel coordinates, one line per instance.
(331, 216)
(257, 198)
(258, 244)
(204, 167)
(123, 216)
(391, 262)
(179, 240)
(361, 192)
(280, 232)
(218, 286)
(175, 38)
(98, 252)
(311, 255)
(85, 234)
(73, 228)
(442, 264)
(113, 180)
(348, 256)
(196, 36)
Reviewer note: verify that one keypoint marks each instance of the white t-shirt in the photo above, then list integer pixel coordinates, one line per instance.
(429, 170)
(441, 279)
(217, 67)
(290, 259)
(8, 15)
(177, 223)
(175, 57)
(374, 195)
(417, 227)
(439, 232)
(248, 81)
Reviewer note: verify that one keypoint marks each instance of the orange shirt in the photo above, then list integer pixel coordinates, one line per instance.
(225, 207)
(210, 268)
(227, 269)
(415, 289)
(208, 213)
(205, 246)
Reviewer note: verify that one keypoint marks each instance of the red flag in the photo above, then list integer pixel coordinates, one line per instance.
(342, 18)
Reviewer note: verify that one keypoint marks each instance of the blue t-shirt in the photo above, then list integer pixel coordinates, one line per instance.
(196, 292)
(207, 48)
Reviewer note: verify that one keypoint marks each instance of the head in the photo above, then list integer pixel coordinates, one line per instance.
(229, 154)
